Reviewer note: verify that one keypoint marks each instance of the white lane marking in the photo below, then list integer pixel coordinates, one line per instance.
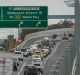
(74, 66)
(21, 68)
(52, 53)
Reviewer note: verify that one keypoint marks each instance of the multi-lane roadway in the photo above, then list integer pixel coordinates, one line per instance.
(48, 62)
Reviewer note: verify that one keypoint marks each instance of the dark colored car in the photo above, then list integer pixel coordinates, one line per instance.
(14, 66)
(54, 36)
(30, 70)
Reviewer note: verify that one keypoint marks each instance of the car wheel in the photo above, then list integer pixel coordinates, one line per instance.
(17, 64)
(21, 59)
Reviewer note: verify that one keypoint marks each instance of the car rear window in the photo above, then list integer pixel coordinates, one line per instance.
(37, 64)
(17, 52)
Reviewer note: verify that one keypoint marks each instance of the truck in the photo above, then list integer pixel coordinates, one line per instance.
(6, 64)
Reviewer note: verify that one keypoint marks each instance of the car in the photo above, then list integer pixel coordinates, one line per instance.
(54, 36)
(18, 54)
(58, 39)
(46, 38)
(70, 41)
(45, 42)
(30, 51)
(65, 37)
(2, 49)
(70, 35)
(46, 51)
(37, 52)
(38, 63)
(34, 46)
(35, 56)
(30, 70)
(25, 52)
(14, 66)
(16, 60)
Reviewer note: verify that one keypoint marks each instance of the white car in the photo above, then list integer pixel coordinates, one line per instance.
(46, 38)
(34, 46)
(18, 54)
(38, 63)
(46, 51)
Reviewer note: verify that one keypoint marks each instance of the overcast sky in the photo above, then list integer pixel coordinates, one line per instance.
(55, 7)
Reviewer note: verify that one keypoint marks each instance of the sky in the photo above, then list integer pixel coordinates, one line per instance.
(55, 7)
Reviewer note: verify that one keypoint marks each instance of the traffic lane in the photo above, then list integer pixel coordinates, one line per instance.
(26, 60)
(53, 59)
(32, 41)
(29, 60)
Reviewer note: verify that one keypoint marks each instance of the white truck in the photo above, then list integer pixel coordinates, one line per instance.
(6, 64)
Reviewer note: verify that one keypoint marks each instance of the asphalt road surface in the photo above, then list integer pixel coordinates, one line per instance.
(27, 60)
(48, 62)
(53, 58)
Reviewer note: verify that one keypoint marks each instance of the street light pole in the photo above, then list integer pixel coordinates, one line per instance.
(19, 30)
(77, 35)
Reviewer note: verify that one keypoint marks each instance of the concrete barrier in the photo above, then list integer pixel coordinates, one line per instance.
(45, 33)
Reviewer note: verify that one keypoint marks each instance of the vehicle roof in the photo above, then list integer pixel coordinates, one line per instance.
(30, 65)
(17, 51)
(35, 55)
(37, 58)
(37, 51)
(1, 47)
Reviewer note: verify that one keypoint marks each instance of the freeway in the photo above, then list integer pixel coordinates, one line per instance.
(53, 58)
(48, 62)
(26, 60)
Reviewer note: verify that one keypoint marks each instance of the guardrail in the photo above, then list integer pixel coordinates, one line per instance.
(44, 33)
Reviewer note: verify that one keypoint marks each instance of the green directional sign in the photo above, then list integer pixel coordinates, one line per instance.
(24, 16)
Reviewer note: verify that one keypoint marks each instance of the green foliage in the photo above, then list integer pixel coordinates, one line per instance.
(53, 26)
(57, 26)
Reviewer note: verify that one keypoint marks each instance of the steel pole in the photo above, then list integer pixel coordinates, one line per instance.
(77, 35)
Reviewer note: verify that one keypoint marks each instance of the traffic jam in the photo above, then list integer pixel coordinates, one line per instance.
(37, 51)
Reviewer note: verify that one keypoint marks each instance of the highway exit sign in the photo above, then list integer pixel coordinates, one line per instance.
(23, 16)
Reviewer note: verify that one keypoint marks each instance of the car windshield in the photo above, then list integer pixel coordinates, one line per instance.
(23, 50)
